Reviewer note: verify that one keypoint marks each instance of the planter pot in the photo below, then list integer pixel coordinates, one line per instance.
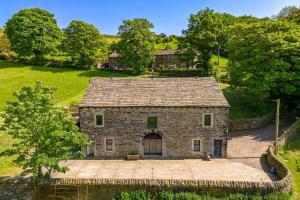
(133, 157)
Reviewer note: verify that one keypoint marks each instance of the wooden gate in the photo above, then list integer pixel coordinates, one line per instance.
(153, 144)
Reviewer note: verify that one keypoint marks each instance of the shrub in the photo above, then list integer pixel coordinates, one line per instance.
(134, 195)
(169, 195)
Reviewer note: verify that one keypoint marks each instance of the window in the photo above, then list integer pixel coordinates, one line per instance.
(197, 145)
(207, 120)
(152, 122)
(99, 120)
(109, 144)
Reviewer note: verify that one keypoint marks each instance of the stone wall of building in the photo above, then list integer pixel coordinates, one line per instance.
(18, 188)
(250, 123)
(177, 127)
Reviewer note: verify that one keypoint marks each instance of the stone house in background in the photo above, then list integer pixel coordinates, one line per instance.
(165, 59)
(159, 117)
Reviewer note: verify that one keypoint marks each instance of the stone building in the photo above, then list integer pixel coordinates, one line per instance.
(159, 117)
(165, 59)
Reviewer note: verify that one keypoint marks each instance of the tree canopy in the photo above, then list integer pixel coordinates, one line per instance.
(136, 47)
(44, 134)
(203, 36)
(264, 59)
(82, 41)
(33, 32)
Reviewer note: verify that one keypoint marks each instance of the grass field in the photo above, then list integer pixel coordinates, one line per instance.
(290, 156)
(70, 83)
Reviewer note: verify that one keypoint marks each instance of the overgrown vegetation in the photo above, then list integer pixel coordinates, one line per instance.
(136, 47)
(167, 195)
(290, 156)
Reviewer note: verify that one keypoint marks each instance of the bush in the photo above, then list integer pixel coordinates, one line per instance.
(169, 195)
(134, 195)
(7, 56)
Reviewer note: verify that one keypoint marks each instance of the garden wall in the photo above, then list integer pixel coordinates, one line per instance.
(250, 123)
(106, 189)
(18, 188)
(281, 169)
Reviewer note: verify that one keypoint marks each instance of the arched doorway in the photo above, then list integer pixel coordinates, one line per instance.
(152, 144)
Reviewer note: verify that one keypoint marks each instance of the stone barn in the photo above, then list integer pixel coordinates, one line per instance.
(155, 117)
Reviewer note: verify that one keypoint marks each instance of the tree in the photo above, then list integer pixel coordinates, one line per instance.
(289, 13)
(265, 60)
(201, 38)
(136, 47)
(284, 12)
(5, 47)
(45, 134)
(82, 41)
(33, 32)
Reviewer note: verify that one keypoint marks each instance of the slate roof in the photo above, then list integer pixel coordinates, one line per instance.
(113, 55)
(147, 92)
(166, 52)
(159, 53)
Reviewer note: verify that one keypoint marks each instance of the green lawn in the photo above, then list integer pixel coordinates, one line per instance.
(223, 61)
(290, 156)
(70, 83)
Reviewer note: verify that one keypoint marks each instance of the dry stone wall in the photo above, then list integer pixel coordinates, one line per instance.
(250, 123)
(15, 188)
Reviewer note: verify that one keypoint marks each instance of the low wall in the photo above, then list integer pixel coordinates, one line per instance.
(282, 171)
(106, 189)
(18, 188)
(250, 123)
(289, 133)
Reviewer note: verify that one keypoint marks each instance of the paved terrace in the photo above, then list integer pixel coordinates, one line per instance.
(244, 163)
(189, 169)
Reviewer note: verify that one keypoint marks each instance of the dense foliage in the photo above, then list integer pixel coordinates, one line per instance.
(168, 195)
(33, 32)
(206, 34)
(81, 42)
(44, 134)
(136, 47)
(265, 60)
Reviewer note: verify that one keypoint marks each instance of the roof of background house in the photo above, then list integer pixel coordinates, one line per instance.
(158, 53)
(113, 55)
(166, 52)
(141, 92)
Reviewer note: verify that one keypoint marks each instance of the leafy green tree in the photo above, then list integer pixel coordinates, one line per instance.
(201, 38)
(82, 41)
(5, 47)
(44, 134)
(136, 47)
(33, 32)
(264, 59)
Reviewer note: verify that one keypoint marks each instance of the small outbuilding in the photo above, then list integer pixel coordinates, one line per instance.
(155, 117)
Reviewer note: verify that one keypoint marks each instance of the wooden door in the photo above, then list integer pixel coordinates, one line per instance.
(152, 144)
